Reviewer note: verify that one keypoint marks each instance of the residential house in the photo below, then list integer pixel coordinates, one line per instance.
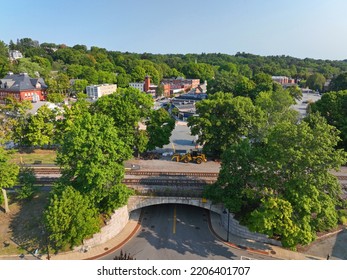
(22, 87)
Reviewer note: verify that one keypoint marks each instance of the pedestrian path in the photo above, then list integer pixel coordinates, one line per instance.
(253, 246)
(113, 244)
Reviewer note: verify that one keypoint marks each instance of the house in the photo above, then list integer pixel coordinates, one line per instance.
(14, 55)
(22, 87)
(96, 91)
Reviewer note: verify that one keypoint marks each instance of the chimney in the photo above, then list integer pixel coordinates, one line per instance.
(147, 83)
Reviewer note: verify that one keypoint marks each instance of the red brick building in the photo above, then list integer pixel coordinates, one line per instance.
(181, 83)
(22, 87)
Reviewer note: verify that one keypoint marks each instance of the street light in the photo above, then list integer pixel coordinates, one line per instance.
(45, 234)
(227, 212)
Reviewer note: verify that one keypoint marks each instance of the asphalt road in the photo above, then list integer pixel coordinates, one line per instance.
(178, 232)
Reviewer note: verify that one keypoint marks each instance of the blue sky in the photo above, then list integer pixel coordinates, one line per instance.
(299, 28)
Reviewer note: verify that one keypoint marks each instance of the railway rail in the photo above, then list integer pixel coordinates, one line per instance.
(56, 170)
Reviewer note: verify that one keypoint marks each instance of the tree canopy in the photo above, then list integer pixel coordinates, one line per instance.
(281, 186)
(332, 106)
(127, 107)
(224, 120)
(69, 218)
(91, 157)
(159, 128)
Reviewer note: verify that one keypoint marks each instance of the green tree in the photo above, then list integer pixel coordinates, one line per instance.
(79, 86)
(200, 71)
(8, 176)
(339, 82)
(223, 82)
(332, 106)
(295, 92)
(224, 120)
(159, 91)
(70, 218)
(13, 119)
(34, 69)
(316, 82)
(27, 180)
(277, 106)
(63, 83)
(281, 186)
(55, 98)
(89, 74)
(91, 158)
(263, 82)
(4, 61)
(275, 218)
(41, 127)
(159, 128)
(123, 80)
(138, 74)
(127, 107)
(243, 86)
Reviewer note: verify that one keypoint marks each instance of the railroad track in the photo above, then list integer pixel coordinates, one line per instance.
(167, 182)
(171, 173)
(47, 170)
(147, 181)
(56, 170)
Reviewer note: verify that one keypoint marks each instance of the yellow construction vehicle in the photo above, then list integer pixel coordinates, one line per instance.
(194, 156)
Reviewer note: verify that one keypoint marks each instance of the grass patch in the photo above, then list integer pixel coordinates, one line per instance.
(31, 156)
(20, 230)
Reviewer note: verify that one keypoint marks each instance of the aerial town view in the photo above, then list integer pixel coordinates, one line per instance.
(134, 140)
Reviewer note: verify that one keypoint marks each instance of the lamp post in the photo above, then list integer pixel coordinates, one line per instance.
(227, 212)
(46, 237)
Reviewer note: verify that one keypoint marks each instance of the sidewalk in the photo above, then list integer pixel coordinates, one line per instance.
(254, 246)
(113, 244)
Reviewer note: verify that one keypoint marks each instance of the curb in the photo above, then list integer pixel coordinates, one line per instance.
(135, 230)
(240, 247)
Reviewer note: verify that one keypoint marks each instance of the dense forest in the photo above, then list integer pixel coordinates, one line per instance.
(57, 63)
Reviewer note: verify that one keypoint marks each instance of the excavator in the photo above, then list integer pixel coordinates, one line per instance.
(194, 156)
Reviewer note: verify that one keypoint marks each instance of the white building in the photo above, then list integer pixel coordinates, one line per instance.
(139, 86)
(15, 55)
(96, 91)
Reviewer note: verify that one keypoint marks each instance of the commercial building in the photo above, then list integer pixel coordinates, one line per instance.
(145, 86)
(283, 80)
(96, 91)
(181, 84)
(22, 87)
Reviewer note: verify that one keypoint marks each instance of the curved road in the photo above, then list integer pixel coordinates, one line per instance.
(176, 231)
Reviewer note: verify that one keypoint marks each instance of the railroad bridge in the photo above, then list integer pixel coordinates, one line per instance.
(180, 183)
(157, 178)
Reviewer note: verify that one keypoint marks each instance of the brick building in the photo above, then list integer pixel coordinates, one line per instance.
(180, 83)
(22, 87)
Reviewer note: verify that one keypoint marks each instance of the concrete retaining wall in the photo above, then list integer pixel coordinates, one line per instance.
(114, 226)
(136, 202)
(236, 229)
(121, 217)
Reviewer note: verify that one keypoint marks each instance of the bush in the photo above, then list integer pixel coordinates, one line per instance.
(343, 220)
(342, 216)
